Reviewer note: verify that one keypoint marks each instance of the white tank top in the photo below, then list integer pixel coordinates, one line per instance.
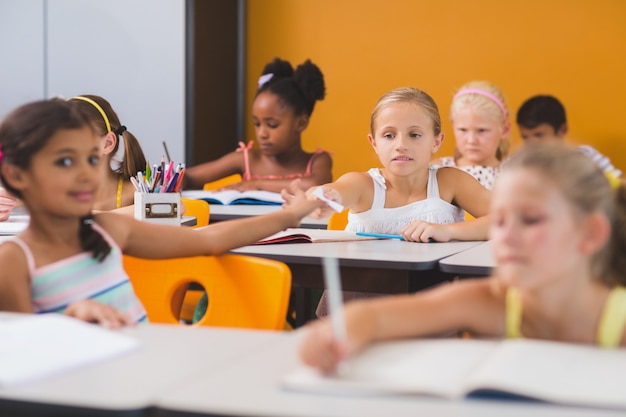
(379, 219)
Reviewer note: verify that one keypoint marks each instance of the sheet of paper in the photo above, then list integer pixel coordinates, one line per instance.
(35, 347)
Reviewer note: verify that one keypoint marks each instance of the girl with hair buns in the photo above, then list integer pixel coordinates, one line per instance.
(558, 228)
(281, 111)
(481, 125)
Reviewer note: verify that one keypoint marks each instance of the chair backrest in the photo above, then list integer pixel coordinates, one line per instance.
(243, 291)
(222, 182)
(200, 209)
(338, 221)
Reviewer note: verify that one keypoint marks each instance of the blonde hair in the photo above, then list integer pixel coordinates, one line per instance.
(587, 188)
(492, 101)
(408, 95)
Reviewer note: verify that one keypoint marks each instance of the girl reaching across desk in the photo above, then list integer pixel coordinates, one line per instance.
(68, 260)
(558, 231)
(281, 111)
(407, 196)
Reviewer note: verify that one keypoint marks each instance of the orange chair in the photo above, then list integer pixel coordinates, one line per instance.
(222, 182)
(338, 221)
(199, 209)
(244, 291)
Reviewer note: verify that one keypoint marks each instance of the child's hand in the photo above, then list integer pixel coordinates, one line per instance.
(325, 210)
(94, 312)
(420, 231)
(7, 203)
(319, 348)
(241, 186)
(297, 201)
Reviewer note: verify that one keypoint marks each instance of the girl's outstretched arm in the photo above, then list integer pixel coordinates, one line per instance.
(197, 176)
(153, 241)
(353, 190)
(463, 305)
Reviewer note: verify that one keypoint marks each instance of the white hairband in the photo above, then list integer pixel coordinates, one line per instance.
(264, 79)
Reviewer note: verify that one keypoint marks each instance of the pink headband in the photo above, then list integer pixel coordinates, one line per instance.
(487, 94)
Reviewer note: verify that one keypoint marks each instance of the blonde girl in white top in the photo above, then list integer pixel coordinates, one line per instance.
(406, 196)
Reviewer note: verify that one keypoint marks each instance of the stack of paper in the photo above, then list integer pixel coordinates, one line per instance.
(34, 347)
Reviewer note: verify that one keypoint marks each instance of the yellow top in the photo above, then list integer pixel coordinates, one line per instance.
(120, 187)
(610, 327)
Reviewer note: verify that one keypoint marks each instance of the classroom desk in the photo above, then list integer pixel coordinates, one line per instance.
(387, 266)
(476, 261)
(130, 385)
(220, 212)
(251, 387)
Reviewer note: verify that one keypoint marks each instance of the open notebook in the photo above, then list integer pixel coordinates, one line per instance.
(34, 347)
(302, 235)
(568, 374)
(228, 197)
(14, 224)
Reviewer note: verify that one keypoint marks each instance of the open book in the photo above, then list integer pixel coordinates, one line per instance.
(567, 374)
(34, 347)
(228, 197)
(302, 235)
(14, 224)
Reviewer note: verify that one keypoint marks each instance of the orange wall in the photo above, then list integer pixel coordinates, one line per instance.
(573, 50)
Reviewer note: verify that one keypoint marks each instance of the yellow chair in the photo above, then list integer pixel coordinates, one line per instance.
(222, 182)
(338, 221)
(244, 291)
(199, 209)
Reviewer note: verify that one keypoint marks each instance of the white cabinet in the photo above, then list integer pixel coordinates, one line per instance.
(131, 52)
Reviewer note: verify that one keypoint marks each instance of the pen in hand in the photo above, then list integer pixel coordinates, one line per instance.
(332, 281)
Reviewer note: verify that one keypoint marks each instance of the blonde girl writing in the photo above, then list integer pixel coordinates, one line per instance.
(558, 231)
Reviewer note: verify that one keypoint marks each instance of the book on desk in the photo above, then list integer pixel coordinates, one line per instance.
(567, 374)
(14, 224)
(228, 197)
(37, 346)
(302, 235)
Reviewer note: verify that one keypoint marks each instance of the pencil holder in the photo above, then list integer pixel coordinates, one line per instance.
(161, 208)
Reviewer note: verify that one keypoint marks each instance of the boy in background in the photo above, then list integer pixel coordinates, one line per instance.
(542, 118)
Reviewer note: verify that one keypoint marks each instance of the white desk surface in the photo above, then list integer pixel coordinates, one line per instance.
(478, 261)
(236, 211)
(379, 253)
(130, 384)
(250, 387)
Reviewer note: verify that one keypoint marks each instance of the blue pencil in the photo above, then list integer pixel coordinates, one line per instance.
(380, 235)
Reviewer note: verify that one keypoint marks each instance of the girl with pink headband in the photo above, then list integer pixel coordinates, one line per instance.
(480, 121)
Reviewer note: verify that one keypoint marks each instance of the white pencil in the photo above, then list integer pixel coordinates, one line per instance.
(332, 282)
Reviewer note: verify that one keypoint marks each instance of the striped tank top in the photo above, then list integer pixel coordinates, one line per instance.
(79, 277)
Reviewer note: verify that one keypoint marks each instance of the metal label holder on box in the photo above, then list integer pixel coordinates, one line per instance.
(163, 208)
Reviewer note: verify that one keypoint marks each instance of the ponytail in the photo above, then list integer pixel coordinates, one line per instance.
(617, 258)
(92, 241)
